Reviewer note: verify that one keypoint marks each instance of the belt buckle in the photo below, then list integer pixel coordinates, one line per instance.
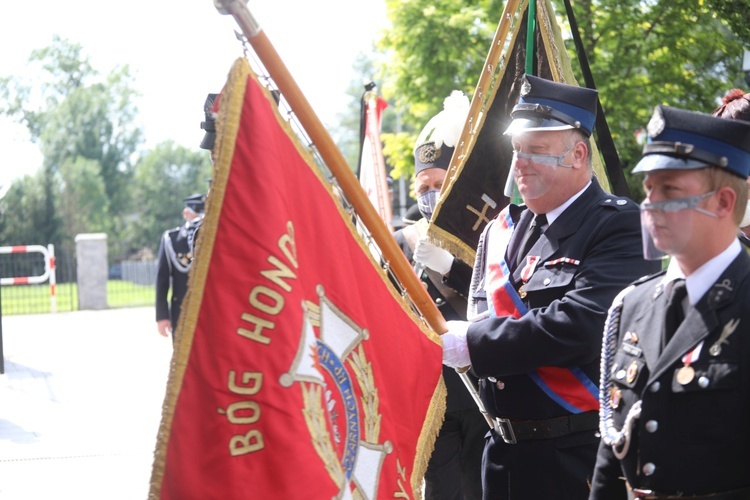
(643, 494)
(505, 429)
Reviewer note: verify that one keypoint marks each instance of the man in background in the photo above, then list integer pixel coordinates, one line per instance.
(172, 266)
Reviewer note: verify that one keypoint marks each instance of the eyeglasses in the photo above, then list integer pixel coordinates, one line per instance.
(551, 160)
(677, 204)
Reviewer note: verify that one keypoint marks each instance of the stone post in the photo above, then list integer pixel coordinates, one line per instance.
(91, 260)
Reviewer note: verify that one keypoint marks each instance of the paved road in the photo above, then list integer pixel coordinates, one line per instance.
(80, 404)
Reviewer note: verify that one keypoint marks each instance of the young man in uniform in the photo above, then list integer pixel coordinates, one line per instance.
(544, 277)
(676, 363)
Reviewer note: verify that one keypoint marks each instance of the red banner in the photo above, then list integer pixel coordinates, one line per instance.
(299, 372)
(372, 173)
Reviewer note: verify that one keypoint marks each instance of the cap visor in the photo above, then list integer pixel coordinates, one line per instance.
(520, 125)
(649, 163)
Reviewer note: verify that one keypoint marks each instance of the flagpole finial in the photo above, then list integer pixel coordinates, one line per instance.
(238, 9)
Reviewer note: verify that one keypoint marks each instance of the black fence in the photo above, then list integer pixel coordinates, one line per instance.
(129, 284)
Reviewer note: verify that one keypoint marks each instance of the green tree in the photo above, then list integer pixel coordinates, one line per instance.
(677, 52)
(83, 204)
(162, 178)
(434, 48)
(22, 211)
(75, 114)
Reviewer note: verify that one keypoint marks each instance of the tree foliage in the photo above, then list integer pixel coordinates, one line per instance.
(678, 52)
(434, 47)
(683, 53)
(22, 211)
(162, 178)
(92, 179)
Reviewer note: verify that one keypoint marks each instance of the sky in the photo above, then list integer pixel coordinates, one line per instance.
(179, 51)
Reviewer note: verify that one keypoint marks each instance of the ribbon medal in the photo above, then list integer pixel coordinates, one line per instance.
(686, 374)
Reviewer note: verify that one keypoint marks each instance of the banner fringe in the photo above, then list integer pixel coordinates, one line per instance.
(452, 243)
(232, 96)
(430, 430)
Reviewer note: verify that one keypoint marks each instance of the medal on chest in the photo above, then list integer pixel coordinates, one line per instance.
(686, 374)
(527, 272)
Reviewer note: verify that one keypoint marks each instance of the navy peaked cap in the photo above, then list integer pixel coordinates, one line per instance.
(428, 156)
(685, 140)
(548, 105)
(196, 203)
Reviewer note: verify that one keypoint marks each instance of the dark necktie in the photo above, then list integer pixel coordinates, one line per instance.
(532, 234)
(675, 313)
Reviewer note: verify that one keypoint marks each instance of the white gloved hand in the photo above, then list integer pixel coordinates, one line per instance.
(455, 347)
(434, 257)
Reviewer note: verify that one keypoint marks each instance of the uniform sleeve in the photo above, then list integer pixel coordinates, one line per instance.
(607, 482)
(564, 327)
(162, 281)
(459, 277)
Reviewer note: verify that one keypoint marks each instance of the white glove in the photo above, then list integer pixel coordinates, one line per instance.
(435, 258)
(455, 347)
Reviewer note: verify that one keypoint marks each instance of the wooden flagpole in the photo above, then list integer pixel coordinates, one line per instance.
(334, 160)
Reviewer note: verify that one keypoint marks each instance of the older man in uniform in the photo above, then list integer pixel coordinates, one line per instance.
(544, 276)
(676, 363)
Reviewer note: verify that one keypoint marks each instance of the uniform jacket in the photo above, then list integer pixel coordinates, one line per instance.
(172, 269)
(693, 437)
(587, 255)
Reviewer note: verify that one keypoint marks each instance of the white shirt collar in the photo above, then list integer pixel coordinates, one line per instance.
(705, 276)
(555, 213)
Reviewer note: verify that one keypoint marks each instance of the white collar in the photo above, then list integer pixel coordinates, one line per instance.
(705, 276)
(556, 212)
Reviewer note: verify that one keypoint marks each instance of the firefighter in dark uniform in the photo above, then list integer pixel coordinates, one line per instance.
(174, 259)
(454, 469)
(675, 382)
(545, 274)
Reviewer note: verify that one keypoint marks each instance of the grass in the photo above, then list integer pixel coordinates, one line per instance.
(35, 299)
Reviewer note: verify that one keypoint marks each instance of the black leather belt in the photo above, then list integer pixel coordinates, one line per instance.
(741, 494)
(513, 431)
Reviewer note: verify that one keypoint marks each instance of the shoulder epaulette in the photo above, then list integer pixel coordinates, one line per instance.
(618, 202)
(649, 277)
